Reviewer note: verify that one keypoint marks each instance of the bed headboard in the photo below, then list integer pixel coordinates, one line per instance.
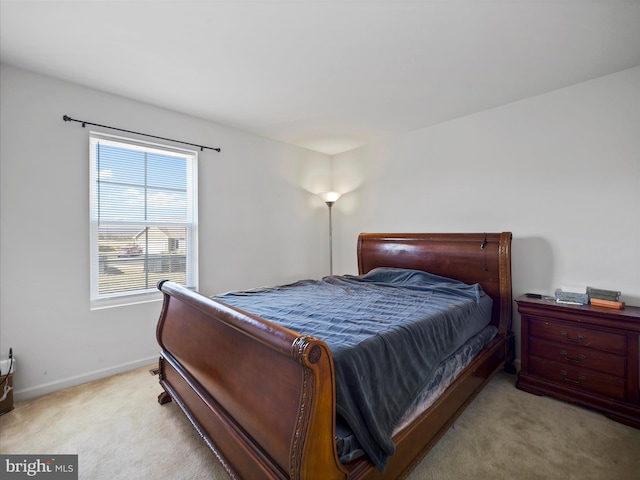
(483, 258)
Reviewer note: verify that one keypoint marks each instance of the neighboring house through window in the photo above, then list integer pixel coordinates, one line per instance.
(143, 219)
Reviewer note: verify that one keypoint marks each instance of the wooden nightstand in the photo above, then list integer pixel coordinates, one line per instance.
(582, 354)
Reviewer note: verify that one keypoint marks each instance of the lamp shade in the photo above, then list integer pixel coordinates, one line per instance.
(330, 197)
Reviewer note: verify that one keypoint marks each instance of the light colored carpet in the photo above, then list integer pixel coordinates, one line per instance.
(119, 431)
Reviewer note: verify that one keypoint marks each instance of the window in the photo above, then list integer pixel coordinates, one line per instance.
(143, 219)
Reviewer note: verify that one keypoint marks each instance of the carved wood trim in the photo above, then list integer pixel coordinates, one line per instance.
(306, 351)
(504, 262)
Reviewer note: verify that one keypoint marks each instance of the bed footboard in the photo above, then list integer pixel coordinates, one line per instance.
(261, 396)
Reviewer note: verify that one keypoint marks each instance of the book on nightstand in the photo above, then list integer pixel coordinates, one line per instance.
(603, 294)
(598, 302)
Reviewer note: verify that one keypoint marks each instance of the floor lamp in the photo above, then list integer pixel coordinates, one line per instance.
(330, 198)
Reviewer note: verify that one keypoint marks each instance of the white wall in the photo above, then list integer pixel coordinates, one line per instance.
(561, 171)
(259, 224)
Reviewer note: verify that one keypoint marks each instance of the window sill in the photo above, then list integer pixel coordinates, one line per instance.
(124, 300)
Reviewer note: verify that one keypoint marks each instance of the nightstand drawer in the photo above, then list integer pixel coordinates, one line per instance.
(576, 335)
(578, 357)
(578, 378)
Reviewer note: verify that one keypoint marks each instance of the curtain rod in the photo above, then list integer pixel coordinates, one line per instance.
(67, 118)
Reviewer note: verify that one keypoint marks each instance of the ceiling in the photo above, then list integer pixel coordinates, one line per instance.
(327, 75)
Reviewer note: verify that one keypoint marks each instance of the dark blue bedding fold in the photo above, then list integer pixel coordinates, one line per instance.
(387, 331)
(445, 373)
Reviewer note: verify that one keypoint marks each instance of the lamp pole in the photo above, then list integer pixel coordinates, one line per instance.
(330, 198)
(330, 204)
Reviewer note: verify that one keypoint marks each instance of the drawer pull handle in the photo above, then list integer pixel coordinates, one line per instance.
(581, 378)
(569, 359)
(575, 340)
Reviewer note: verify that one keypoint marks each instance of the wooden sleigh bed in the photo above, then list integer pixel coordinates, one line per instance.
(263, 397)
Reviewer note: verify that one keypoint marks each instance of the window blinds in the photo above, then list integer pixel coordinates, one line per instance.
(143, 216)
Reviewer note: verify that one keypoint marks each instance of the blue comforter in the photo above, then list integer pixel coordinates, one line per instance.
(387, 331)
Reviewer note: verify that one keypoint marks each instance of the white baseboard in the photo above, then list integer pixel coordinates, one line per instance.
(32, 392)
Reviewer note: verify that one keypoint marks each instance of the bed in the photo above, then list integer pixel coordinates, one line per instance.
(263, 396)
